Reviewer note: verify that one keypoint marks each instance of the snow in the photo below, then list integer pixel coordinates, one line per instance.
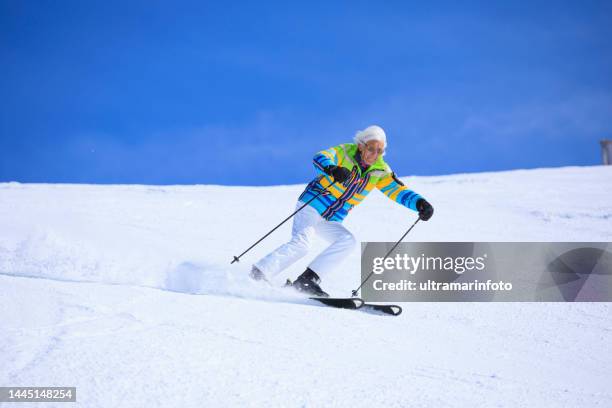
(127, 293)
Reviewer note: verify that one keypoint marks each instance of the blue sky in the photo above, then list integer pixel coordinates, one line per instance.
(245, 93)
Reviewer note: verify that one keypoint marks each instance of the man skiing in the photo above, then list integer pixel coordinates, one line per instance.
(347, 173)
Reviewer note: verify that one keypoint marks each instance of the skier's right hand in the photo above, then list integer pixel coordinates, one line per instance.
(340, 174)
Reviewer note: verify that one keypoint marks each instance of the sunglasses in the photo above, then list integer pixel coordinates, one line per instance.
(372, 150)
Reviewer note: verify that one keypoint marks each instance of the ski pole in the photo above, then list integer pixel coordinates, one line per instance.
(237, 258)
(354, 293)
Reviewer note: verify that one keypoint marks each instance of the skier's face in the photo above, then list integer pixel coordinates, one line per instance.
(370, 151)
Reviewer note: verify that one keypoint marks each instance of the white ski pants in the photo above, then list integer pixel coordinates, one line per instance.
(306, 225)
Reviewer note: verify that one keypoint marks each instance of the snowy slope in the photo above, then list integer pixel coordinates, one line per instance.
(126, 292)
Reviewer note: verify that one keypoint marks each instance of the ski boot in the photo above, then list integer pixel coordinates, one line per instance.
(308, 282)
(257, 275)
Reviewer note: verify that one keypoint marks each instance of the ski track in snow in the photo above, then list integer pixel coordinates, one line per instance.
(126, 292)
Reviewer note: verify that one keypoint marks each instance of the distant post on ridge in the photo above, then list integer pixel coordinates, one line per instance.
(606, 151)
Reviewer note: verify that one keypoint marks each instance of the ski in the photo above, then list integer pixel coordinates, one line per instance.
(341, 303)
(358, 304)
(355, 303)
(393, 310)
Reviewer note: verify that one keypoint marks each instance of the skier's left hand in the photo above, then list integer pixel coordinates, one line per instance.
(425, 209)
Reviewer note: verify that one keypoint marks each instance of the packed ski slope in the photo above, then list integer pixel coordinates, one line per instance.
(127, 293)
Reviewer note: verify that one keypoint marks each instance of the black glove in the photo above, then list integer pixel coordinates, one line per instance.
(340, 174)
(425, 209)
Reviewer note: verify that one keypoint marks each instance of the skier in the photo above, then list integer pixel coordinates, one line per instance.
(348, 172)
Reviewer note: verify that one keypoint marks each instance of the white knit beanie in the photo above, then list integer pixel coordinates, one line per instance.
(371, 133)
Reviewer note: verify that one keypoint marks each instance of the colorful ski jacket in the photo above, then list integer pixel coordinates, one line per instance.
(335, 203)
